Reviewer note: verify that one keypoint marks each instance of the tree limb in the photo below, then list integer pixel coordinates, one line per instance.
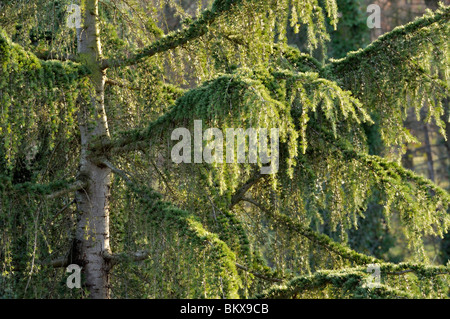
(117, 258)
(174, 39)
(70, 189)
(238, 195)
(317, 238)
(357, 58)
(120, 84)
(143, 254)
(49, 55)
(119, 172)
(258, 275)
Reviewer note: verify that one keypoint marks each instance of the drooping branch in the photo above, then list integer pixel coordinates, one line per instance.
(205, 103)
(411, 195)
(410, 63)
(49, 55)
(220, 255)
(353, 281)
(319, 239)
(302, 62)
(184, 222)
(402, 33)
(259, 275)
(65, 70)
(143, 254)
(383, 167)
(175, 39)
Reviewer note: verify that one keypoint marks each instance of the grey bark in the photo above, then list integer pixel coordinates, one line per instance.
(92, 233)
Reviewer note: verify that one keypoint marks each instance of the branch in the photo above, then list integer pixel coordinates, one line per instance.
(352, 281)
(238, 195)
(120, 84)
(317, 238)
(162, 176)
(377, 163)
(59, 262)
(70, 189)
(33, 66)
(49, 55)
(352, 278)
(119, 172)
(129, 179)
(63, 209)
(413, 270)
(143, 254)
(441, 17)
(137, 139)
(174, 39)
(117, 258)
(258, 275)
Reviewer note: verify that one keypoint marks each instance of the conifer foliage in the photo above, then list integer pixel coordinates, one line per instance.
(87, 176)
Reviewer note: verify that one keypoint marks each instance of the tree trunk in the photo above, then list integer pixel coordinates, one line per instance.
(92, 234)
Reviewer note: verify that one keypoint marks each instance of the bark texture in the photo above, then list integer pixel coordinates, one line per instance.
(92, 235)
